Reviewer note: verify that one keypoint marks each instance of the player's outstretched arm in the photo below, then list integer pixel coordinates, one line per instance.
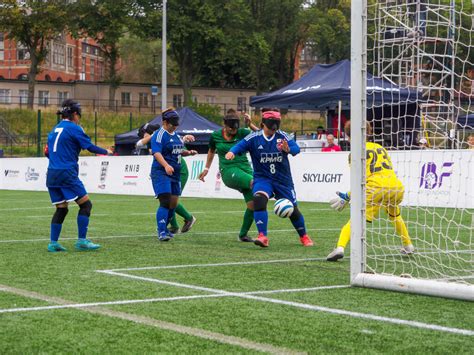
(249, 124)
(293, 148)
(210, 157)
(339, 203)
(86, 143)
(188, 138)
(144, 141)
(241, 147)
(187, 153)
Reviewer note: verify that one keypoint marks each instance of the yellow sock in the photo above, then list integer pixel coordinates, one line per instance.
(402, 231)
(345, 235)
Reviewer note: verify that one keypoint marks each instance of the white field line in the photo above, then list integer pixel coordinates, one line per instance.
(310, 307)
(109, 303)
(151, 235)
(214, 265)
(137, 319)
(162, 299)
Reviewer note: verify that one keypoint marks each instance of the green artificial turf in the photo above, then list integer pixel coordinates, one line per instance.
(125, 227)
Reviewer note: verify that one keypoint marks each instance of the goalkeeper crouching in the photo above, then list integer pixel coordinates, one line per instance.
(383, 190)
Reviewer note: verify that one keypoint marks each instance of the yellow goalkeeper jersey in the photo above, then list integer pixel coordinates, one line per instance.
(379, 168)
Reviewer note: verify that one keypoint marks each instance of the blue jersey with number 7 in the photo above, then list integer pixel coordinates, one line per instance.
(65, 142)
(268, 159)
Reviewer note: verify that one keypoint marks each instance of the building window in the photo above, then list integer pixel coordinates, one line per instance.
(44, 98)
(22, 52)
(5, 96)
(126, 99)
(242, 103)
(92, 69)
(70, 58)
(143, 99)
(23, 96)
(62, 95)
(177, 100)
(210, 99)
(59, 54)
(2, 47)
(85, 48)
(100, 70)
(83, 72)
(194, 99)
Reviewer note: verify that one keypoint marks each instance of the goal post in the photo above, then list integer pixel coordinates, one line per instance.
(412, 79)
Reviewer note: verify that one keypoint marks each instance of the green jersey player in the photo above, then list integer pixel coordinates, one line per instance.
(236, 174)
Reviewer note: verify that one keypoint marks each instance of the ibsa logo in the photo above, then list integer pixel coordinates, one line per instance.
(31, 174)
(432, 178)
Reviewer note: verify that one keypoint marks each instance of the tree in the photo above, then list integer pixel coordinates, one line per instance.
(141, 60)
(329, 30)
(33, 24)
(279, 22)
(106, 21)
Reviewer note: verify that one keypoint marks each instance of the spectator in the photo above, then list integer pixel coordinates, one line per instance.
(320, 133)
(423, 143)
(470, 142)
(330, 146)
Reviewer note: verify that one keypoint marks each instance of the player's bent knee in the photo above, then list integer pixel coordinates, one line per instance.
(85, 208)
(260, 202)
(165, 200)
(296, 214)
(59, 215)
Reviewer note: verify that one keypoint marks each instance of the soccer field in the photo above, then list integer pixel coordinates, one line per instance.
(203, 292)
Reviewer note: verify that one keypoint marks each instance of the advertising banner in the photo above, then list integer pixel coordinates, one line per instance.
(438, 178)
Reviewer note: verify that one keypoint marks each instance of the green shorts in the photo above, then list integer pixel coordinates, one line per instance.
(239, 179)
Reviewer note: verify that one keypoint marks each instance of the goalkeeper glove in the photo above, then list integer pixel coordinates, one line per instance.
(340, 202)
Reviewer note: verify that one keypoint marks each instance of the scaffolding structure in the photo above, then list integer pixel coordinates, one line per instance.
(414, 46)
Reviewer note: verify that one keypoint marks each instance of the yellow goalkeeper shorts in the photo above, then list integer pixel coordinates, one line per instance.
(386, 192)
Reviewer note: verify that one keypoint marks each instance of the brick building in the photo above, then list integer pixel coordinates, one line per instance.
(68, 60)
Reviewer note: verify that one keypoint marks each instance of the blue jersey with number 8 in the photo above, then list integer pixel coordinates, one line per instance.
(268, 159)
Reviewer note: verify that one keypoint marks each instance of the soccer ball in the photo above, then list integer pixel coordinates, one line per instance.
(283, 208)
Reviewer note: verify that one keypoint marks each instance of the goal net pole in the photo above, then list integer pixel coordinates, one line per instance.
(358, 119)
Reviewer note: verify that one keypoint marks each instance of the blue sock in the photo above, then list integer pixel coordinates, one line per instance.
(55, 231)
(299, 225)
(82, 225)
(162, 220)
(261, 221)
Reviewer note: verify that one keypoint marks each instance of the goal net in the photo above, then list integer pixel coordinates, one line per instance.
(416, 59)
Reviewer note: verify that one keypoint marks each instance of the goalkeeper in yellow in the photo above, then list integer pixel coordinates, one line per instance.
(383, 190)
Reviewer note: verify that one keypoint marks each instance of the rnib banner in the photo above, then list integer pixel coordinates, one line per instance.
(438, 178)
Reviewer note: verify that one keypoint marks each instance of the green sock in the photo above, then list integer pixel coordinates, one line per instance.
(174, 222)
(183, 212)
(247, 223)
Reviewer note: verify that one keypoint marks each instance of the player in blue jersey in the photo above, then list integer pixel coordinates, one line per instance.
(269, 149)
(167, 148)
(145, 132)
(65, 142)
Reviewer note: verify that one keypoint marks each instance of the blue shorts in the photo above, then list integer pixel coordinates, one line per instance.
(64, 186)
(274, 189)
(164, 184)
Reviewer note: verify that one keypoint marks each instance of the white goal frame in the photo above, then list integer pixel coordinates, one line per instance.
(359, 275)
